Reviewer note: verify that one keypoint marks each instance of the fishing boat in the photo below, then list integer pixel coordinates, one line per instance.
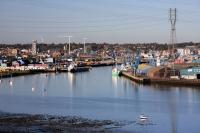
(80, 69)
(115, 71)
(62, 69)
(74, 68)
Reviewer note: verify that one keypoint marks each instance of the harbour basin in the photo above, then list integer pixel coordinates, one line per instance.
(99, 95)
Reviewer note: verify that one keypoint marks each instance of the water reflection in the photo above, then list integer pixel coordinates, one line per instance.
(33, 84)
(44, 85)
(114, 81)
(11, 87)
(72, 80)
(115, 87)
(173, 112)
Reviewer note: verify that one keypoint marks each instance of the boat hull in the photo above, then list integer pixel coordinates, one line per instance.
(80, 69)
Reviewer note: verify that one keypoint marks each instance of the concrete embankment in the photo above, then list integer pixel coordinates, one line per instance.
(15, 73)
(188, 82)
(168, 81)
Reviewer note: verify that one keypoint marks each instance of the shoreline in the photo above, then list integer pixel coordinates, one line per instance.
(15, 73)
(39, 123)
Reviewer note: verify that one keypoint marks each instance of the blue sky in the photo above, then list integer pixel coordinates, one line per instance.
(113, 21)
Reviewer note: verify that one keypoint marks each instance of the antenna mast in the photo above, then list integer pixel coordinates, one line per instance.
(69, 37)
(84, 39)
(172, 18)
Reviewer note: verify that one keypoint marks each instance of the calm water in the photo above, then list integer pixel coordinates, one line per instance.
(98, 95)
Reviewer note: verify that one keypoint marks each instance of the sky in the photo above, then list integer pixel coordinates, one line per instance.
(112, 21)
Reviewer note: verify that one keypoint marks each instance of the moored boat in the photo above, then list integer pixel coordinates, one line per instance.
(74, 68)
(115, 71)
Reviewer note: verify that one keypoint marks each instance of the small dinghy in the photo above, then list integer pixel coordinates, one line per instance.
(143, 120)
(143, 117)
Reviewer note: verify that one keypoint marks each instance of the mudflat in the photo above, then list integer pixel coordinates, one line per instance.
(21, 123)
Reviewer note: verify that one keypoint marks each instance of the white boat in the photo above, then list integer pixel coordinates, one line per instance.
(143, 117)
(71, 66)
(143, 120)
(74, 68)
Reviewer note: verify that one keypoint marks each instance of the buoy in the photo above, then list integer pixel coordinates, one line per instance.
(33, 89)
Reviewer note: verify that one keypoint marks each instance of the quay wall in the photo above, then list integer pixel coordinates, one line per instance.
(191, 82)
(21, 73)
(167, 81)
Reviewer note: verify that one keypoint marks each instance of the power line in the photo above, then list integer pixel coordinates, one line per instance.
(125, 27)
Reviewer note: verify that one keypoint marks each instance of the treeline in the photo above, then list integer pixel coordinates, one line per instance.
(99, 46)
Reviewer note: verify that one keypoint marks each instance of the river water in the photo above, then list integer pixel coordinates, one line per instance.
(98, 95)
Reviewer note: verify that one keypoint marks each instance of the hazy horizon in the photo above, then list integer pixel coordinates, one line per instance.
(111, 21)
